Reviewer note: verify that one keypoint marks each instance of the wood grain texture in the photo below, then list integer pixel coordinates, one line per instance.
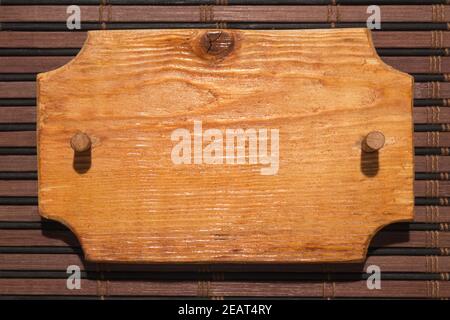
(21, 213)
(421, 139)
(128, 90)
(27, 89)
(422, 115)
(422, 188)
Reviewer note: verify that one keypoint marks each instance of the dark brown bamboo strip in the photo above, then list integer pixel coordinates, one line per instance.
(33, 238)
(433, 64)
(18, 188)
(320, 14)
(412, 39)
(19, 213)
(320, 289)
(27, 89)
(216, 2)
(386, 239)
(423, 163)
(430, 139)
(19, 115)
(425, 239)
(49, 13)
(428, 115)
(431, 188)
(407, 289)
(18, 139)
(18, 39)
(31, 64)
(85, 26)
(19, 163)
(223, 2)
(424, 90)
(47, 262)
(98, 288)
(238, 13)
(60, 262)
(410, 289)
(45, 287)
(381, 39)
(432, 214)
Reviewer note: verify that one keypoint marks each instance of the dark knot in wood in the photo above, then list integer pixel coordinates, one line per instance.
(217, 43)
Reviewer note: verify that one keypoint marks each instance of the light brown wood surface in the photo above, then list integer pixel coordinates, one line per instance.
(324, 90)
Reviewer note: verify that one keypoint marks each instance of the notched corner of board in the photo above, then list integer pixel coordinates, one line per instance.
(407, 78)
(90, 42)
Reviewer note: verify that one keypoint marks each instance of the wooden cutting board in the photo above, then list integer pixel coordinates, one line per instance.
(240, 146)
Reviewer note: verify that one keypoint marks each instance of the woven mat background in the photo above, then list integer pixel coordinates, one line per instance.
(34, 254)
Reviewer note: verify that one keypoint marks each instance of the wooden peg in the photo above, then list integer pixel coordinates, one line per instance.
(80, 142)
(374, 141)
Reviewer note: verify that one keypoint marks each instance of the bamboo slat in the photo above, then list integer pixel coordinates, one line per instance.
(19, 213)
(432, 188)
(325, 289)
(17, 115)
(18, 139)
(218, 2)
(431, 115)
(392, 13)
(60, 262)
(430, 139)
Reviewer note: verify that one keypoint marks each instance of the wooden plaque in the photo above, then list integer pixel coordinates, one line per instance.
(164, 146)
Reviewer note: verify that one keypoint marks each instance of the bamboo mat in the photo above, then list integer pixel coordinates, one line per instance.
(34, 253)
